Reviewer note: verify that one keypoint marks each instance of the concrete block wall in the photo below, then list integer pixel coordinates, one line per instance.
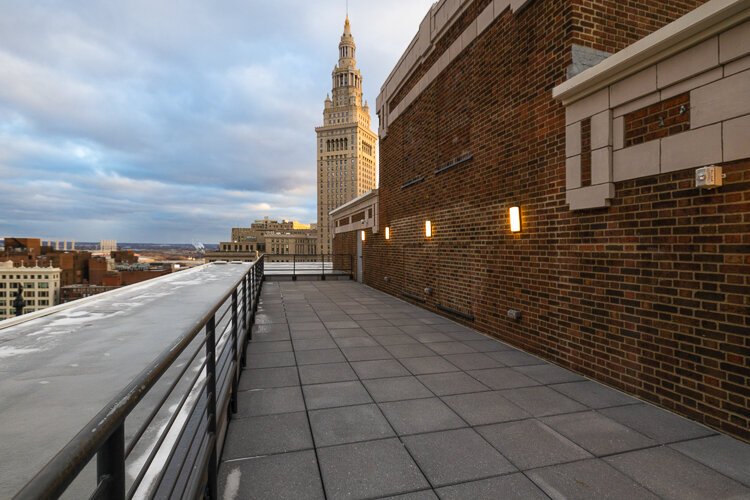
(649, 295)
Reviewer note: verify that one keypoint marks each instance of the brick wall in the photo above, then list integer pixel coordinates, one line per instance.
(612, 26)
(345, 252)
(651, 295)
(659, 120)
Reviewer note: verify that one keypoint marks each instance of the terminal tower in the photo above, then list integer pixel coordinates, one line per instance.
(346, 144)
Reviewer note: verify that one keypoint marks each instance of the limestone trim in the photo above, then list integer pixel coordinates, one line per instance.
(708, 20)
(694, 62)
(360, 213)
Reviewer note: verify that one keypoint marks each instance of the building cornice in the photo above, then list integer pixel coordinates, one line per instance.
(373, 193)
(704, 22)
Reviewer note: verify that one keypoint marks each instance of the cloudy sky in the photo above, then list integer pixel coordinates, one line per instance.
(173, 120)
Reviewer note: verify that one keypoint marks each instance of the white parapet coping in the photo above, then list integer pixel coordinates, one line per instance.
(711, 18)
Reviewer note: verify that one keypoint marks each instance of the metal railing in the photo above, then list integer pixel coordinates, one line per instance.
(180, 456)
(295, 265)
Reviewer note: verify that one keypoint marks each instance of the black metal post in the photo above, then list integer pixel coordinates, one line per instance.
(110, 465)
(213, 467)
(19, 303)
(351, 266)
(323, 268)
(294, 267)
(235, 350)
(245, 325)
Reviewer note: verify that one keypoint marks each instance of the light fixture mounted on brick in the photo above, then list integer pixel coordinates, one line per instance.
(428, 229)
(387, 233)
(363, 235)
(515, 219)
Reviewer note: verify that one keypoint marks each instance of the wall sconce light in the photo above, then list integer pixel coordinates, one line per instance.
(387, 233)
(363, 234)
(515, 219)
(428, 229)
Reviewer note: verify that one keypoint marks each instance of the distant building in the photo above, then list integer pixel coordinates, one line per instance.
(266, 225)
(124, 256)
(346, 147)
(243, 251)
(288, 244)
(107, 246)
(31, 252)
(98, 268)
(41, 288)
(267, 236)
(75, 292)
(31, 248)
(106, 271)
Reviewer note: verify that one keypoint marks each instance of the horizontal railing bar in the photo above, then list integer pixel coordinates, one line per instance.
(167, 429)
(224, 315)
(202, 450)
(224, 373)
(101, 488)
(200, 428)
(159, 406)
(200, 411)
(193, 487)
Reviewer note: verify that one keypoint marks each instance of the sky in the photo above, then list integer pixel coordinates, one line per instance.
(172, 121)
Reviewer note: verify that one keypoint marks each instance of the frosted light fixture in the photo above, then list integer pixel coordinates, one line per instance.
(387, 233)
(363, 235)
(515, 220)
(428, 229)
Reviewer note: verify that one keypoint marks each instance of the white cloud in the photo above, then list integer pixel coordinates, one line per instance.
(172, 120)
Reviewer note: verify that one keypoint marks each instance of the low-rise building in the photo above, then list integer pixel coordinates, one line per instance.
(41, 288)
(291, 244)
(243, 251)
(75, 292)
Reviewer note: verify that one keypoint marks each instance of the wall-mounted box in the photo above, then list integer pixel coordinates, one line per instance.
(709, 177)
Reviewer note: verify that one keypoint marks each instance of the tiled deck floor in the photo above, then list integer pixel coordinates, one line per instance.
(351, 393)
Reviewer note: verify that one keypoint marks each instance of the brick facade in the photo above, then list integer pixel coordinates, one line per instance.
(650, 295)
(665, 118)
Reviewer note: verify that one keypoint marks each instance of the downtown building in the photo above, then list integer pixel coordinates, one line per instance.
(628, 263)
(41, 288)
(269, 237)
(346, 147)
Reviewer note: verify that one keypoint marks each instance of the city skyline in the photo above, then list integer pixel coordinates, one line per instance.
(160, 124)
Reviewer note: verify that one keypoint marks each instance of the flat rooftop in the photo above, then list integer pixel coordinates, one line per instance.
(59, 370)
(351, 393)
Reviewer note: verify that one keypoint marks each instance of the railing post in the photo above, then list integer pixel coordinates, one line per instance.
(253, 295)
(213, 468)
(110, 465)
(235, 351)
(294, 267)
(323, 269)
(247, 326)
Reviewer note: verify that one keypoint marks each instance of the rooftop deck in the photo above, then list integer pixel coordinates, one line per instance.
(351, 393)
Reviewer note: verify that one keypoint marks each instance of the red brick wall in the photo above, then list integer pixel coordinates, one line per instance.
(345, 250)
(651, 295)
(659, 120)
(613, 25)
(133, 277)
